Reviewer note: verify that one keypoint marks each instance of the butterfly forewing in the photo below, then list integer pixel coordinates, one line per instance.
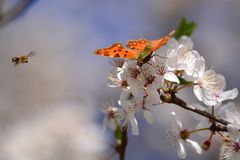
(117, 50)
(137, 45)
(155, 44)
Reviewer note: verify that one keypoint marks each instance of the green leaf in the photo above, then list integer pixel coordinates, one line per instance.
(185, 28)
(118, 135)
(184, 81)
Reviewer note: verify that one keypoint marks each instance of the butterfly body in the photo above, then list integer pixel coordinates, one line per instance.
(136, 49)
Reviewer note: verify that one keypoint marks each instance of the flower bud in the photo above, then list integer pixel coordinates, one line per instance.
(206, 145)
(167, 97)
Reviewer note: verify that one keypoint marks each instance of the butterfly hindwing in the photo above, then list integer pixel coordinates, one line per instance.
(117, 50)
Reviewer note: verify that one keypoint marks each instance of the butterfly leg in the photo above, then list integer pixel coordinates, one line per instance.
(164, 57)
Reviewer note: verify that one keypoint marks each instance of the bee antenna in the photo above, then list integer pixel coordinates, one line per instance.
(32, 53)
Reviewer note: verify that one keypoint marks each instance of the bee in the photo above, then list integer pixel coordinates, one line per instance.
(22, 59)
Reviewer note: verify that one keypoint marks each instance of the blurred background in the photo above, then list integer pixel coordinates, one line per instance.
(49, 108)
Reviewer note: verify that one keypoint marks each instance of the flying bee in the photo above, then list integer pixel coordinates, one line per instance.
(22, 59)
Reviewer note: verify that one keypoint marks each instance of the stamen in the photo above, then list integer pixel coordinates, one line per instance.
(236, 147)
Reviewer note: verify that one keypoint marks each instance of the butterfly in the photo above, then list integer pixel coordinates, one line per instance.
(137, 49)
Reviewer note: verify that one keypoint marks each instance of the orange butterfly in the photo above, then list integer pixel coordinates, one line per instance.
(138, 49)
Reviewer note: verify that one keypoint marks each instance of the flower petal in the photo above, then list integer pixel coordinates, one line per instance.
(195, 146)
(181, 150)
(176, 123)
(198, 92)
(233, 132)
(171, 77)
(221, 82)
(152, 98)
(186, 42)
(230, 94)
(134, 124)
(209, 98)
(222, 110)
(232, 116)
(200, 68)
(148, 116)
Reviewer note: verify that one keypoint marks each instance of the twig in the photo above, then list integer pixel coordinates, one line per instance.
(121, 149)
(13, 12)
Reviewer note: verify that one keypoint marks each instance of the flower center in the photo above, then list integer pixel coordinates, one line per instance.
(111, 112)
(236, 147)
(134, 72)
(162, 70)
(184, 134)
(124, 84)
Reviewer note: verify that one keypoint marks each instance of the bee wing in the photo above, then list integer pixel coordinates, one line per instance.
(31, 54)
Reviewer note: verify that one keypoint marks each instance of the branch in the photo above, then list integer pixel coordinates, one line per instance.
(13, 12)
(179, 102)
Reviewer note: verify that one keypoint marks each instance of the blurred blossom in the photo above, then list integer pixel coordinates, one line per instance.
(61, 133)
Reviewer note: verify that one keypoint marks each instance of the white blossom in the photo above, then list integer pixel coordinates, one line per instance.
(144, 82)
(121, 116)
(173, 51)
(181, 56)
(180, 136)
(209, 88)
(230, 149)
(113, 116)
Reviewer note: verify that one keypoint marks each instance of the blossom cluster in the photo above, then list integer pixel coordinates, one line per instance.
(169, 69)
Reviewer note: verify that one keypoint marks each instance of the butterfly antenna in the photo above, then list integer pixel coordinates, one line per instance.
(141, 36)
